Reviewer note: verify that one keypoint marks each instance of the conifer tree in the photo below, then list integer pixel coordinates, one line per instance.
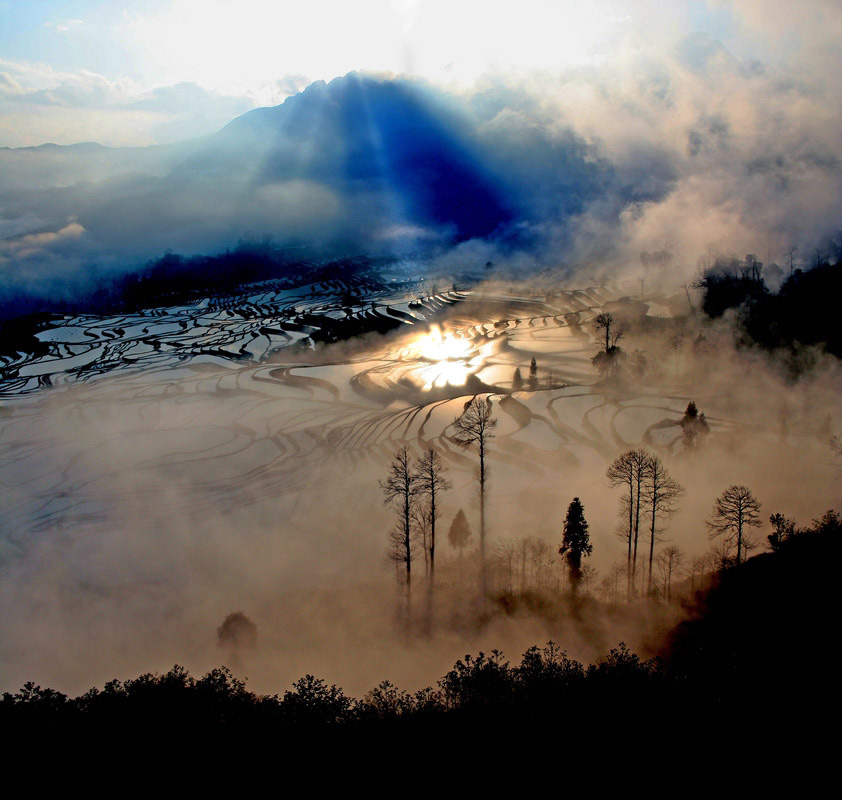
(576, 542)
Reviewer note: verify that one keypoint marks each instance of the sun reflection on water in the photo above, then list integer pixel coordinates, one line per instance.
(452, 358)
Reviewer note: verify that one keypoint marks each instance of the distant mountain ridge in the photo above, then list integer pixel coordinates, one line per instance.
(362, 134)
(363, 164)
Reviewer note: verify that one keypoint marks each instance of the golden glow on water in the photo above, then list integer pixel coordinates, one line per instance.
(452, 358)
(439, 346)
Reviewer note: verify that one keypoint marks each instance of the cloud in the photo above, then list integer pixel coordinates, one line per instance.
(39, 104)
(710, 138)
(32, 244)
(290, 85)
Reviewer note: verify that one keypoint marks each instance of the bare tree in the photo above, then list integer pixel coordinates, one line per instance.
(835, 444)
(669, 560)
(475, 426)
(676, 341)
(629, 471)
(720, 556)
(430, 481)
(819, 257)
(540, 554)
(660, 493)
(790, 254)
(588, 580)
(686, 286)
(606, 323)
(400, 491)
(504, 555)
(421, 532)
(610, 583)
(698, 566)
(733, 510)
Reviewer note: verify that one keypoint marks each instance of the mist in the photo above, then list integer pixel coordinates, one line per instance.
(143, 507)
(165, 468)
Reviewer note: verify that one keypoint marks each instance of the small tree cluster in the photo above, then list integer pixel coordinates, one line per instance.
(648, 491)
(694, 427)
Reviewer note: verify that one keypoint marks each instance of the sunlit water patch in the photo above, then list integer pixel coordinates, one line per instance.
(446, 358)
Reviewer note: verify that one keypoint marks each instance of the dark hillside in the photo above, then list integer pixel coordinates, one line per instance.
(768, 628)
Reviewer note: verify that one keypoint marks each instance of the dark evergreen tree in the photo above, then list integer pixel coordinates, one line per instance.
(576, 542)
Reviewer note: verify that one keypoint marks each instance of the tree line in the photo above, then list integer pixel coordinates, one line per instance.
(714, 670)
(802, 311)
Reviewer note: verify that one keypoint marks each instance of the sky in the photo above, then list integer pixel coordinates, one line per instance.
(163, 70)
(596, 131)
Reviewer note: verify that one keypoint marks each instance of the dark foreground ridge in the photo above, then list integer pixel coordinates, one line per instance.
(755, 655)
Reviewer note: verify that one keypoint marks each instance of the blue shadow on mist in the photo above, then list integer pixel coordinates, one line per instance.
(363, 134)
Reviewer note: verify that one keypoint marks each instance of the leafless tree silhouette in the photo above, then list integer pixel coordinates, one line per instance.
(475, 426)
(400, 490)
(430, 481)
(660, 493)
(733, 510)
(629, 471)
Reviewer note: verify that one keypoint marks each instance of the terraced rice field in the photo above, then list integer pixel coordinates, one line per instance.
(227, 403)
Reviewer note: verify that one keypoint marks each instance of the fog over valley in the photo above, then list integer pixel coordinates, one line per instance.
(438, 332)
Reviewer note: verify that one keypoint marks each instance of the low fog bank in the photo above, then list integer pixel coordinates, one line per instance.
(141, 512)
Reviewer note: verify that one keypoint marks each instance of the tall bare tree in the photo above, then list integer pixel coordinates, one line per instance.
(430, 481)
(733, 510)
(629, 471)
(400, 491)
(475, 426)
(421, 531)
(660, 494)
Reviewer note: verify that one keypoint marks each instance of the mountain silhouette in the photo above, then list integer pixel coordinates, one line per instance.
(360, 134)
(362, 164)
